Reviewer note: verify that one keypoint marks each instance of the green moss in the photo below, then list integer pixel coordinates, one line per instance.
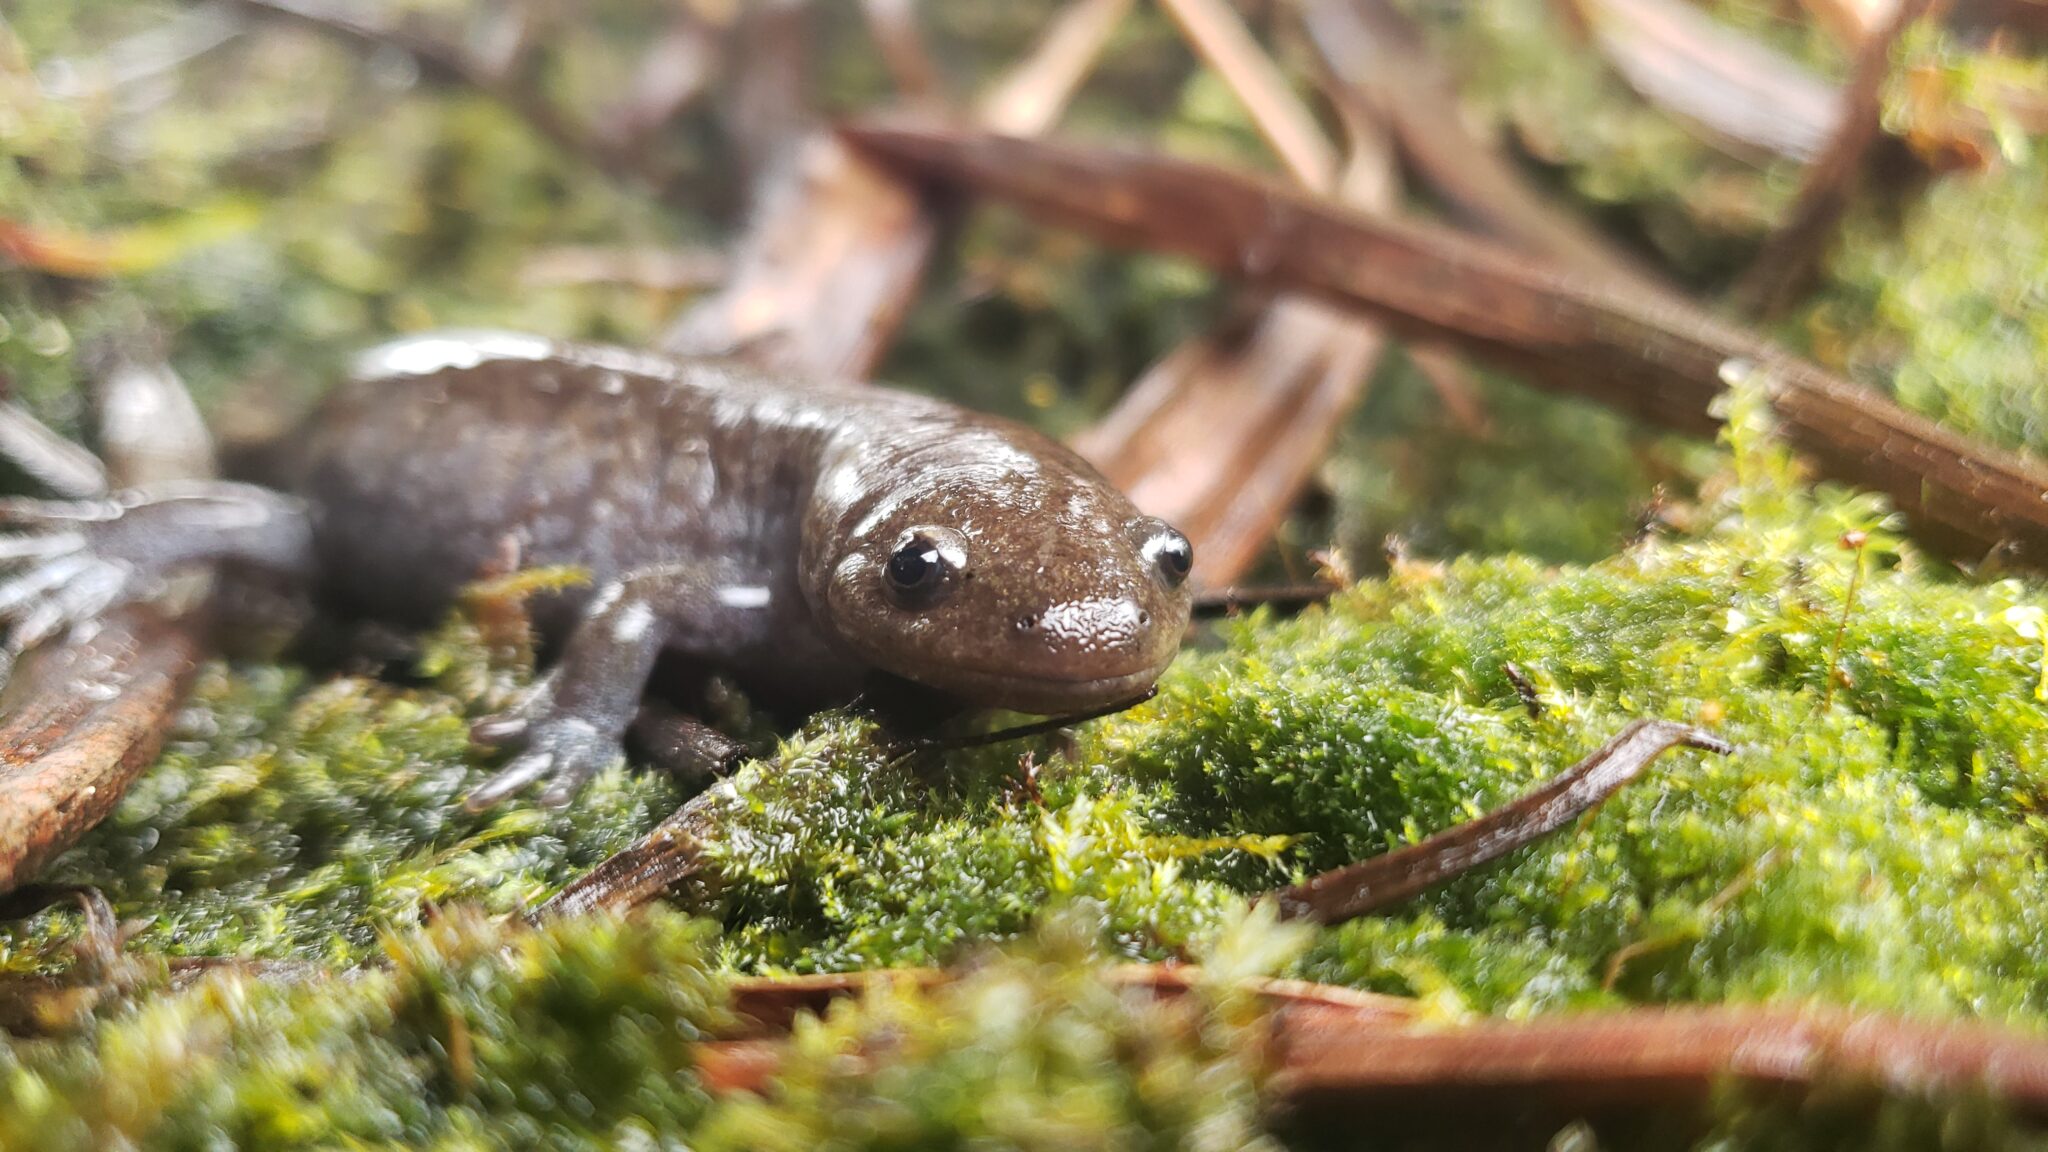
(1945, 307)
(1030, 1052)
(586, 1035)
(1520, 67)
(836, 857)
(581, 1036)
(294, 821)
(1834, 855)
(1862, 841)
(1407, 467)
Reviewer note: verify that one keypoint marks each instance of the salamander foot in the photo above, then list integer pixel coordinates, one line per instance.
(554, 742)
(56, 578)
(71, 560)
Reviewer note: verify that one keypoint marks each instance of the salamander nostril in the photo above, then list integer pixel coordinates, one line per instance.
(1026, 622)
(1144, 619)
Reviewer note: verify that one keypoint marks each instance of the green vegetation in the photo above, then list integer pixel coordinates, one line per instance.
(1945, 306)
(1876, 839)
(471, 1035)
(1874, 843)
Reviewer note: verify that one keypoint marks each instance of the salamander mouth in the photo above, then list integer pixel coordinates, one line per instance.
(1045, 695)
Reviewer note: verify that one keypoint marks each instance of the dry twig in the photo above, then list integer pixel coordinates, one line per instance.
(1787, 264)
(1658, 360)
(838, 246)
(1336, 1054)
(82, 716)
(1374, 52)
(1221, 435)
(1370, 885)
(82, 719)
(1745, 94)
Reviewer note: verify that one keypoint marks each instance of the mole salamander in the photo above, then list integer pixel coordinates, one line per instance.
(816, 539)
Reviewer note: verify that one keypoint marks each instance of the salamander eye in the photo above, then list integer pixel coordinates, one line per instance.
(924, 566)
(1171, 554)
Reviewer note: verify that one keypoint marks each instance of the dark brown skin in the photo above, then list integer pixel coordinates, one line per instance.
(813, 540)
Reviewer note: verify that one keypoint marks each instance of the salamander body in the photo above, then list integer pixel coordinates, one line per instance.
(812, 539)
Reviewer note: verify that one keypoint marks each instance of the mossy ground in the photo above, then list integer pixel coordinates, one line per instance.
(1876, 839)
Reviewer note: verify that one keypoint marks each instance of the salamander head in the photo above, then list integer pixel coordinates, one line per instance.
(1003, 571)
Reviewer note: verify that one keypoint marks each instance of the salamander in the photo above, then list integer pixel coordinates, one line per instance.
(819, 539)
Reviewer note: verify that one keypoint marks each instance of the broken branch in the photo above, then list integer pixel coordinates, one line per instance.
(1651, 1060)
(1337, 1053)
(1221, 435)
(646, 869)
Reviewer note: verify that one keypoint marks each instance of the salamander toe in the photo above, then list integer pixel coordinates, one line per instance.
(554, 744)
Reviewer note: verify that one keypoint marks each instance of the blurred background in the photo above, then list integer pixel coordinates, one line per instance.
(252, 190)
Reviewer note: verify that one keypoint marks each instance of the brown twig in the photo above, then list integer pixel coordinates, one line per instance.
(839, 246)
(1649, 1061)
(1660, 361)
(1741, 91)
(82, 719)
(892, 25)
(1337, 1054)
(1525, 689)
(1221, 435)
(1376, 53)
(1221, 38)
(647, 869)
(1787, 264)
(1366, 887)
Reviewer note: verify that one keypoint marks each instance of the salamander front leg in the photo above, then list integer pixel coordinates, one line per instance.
(569, 725)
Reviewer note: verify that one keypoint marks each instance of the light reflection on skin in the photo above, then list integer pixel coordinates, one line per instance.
(744, 596)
